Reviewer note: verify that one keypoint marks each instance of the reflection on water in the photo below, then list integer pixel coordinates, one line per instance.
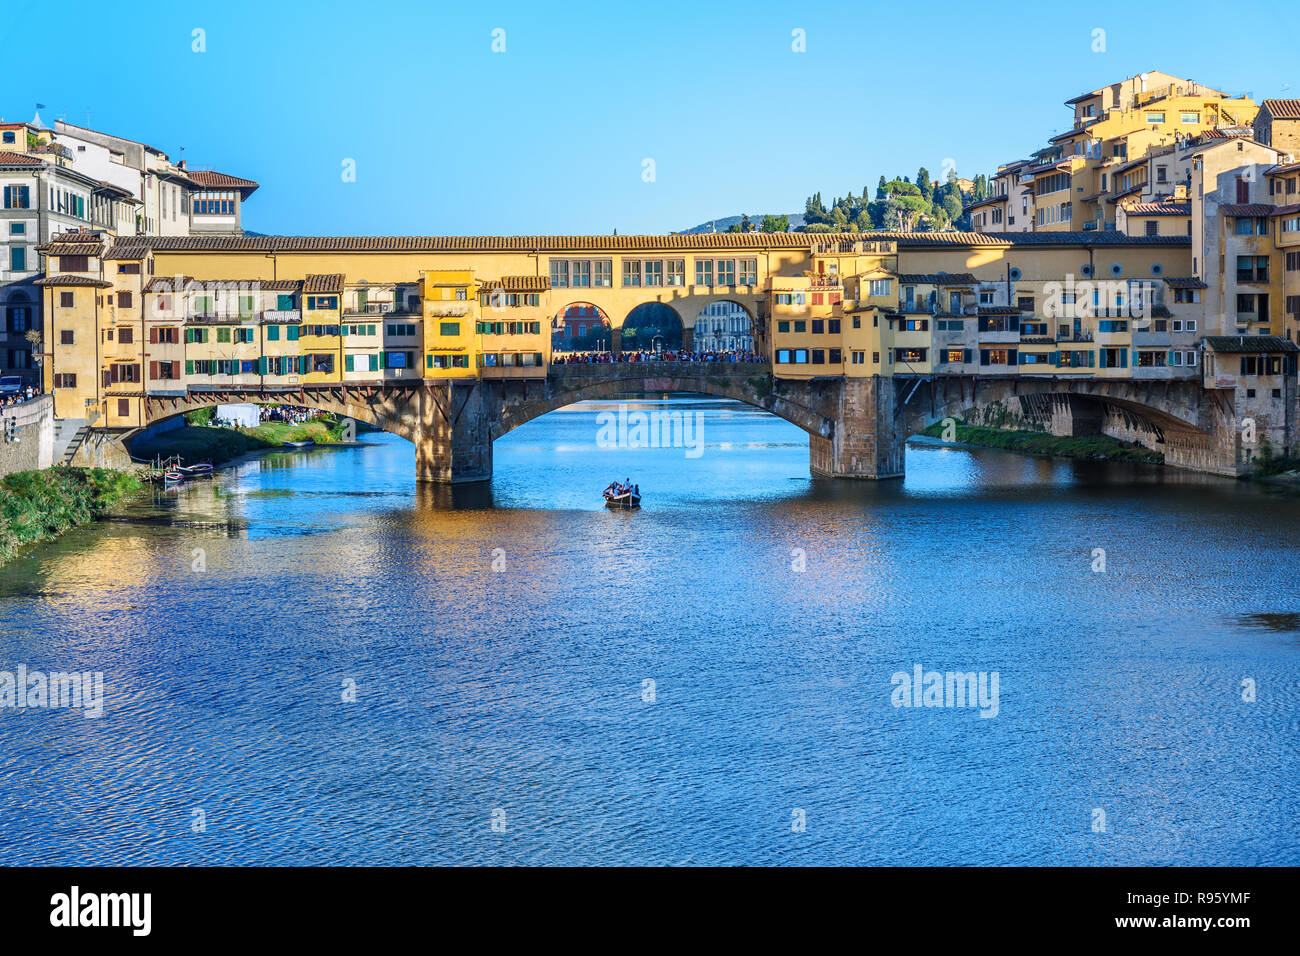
(501, 639)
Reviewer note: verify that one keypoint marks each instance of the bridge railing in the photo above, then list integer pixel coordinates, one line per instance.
(666, 368)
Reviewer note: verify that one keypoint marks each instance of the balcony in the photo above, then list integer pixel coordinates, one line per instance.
(222, 317)
(824, 282)
(370, 308)
(282, 315)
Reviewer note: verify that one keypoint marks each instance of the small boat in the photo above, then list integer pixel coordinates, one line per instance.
(299, 444)
(622, 496)
(202, 470)
(173, 476)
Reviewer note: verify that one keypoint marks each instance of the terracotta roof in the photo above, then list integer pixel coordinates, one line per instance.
(72, 248)
(937, 278)
(1250, 343)
(1279, 170)
(1124, 167)
(1184, 282)
(985, 202)
(126, 249)
(78, 235)
(1127, 192)
(703, 241)
(518, 284)
(213, 180)
(1159, 209)
(1282, 109)
(278, 285)
(1091, 198)
(1068, 134)
(19, 159)
(331, 283)
(107, 187)
(70, 278)
(1247, 209)
(1050, 165)
(167, 284)
(1288, 210)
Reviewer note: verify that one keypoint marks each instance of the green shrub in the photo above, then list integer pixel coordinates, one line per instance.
(39, 505)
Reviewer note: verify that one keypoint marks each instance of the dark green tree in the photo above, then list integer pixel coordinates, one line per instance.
(923, 182)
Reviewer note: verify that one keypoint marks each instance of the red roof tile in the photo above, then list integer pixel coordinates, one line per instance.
(70, 278)
(332, 283)
(1248, 209)
(213, 180)
(1282, 109)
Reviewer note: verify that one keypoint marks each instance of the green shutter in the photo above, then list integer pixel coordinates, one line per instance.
(292, 334)
(374, 361)
(383, 360)
(189, 366)
(347, 364)
(284, 303)
(261, 365)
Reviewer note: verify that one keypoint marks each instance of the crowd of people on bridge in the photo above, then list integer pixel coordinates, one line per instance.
(292, 414)
(667, 355)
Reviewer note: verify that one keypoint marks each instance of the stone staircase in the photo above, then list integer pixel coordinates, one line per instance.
(69, 433)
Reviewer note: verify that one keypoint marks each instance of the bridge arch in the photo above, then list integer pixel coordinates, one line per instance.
(742, 382)
(651, 322)
(723, 325)
(582, 326)
(382, 407)
(1172, 417)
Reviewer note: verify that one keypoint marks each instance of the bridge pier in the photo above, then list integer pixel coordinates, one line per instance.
(451, 433)
(868, 436)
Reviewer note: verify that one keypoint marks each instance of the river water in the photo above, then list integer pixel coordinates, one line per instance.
(310, 659)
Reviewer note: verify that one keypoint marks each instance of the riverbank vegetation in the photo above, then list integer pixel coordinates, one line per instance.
(1271, 466)
(39, 505)
(1090, 447)
(198, 440)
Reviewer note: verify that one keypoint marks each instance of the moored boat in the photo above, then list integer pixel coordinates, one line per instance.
(202, 470)
(298, 444)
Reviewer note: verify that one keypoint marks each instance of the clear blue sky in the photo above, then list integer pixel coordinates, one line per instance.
(449, 137)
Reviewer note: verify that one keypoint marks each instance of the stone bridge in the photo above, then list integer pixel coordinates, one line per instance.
(857, 427)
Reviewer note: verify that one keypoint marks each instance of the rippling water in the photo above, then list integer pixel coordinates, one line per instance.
(229, 617)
